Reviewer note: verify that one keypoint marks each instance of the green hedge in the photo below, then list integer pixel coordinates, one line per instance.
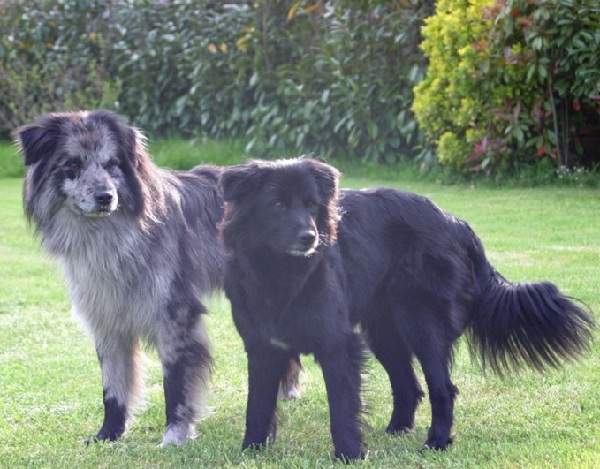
(335, 77)
(55, 55)
(510, 82)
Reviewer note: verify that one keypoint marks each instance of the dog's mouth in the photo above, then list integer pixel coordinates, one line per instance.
(298, 253)
(303, 251)
(306, 244)
(101, 212)
(96, 212)
(93, 203)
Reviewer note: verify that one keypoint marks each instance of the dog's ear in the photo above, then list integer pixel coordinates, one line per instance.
(327, 179)
(40, 139)
(239, 181)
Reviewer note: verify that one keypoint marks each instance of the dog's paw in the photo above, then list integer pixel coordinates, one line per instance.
(400, 430)
(288, 394)
(177, 435)
(254, 444)
(347, 456)
(439, 444)
(106, 434)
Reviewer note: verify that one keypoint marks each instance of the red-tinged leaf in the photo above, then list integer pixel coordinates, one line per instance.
(480, 45)
(538, 112)
(524, 22)
(485, 143)
(313, 8)
(517, 110)
(500, 114)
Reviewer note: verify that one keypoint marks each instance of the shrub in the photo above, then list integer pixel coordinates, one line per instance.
(510, 81)
(180, 70)
(451, 104)
(54, 56)
(337, 78)
(331, 77)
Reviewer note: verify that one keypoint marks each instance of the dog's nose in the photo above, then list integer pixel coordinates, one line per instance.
(307, 237)
(103, 198)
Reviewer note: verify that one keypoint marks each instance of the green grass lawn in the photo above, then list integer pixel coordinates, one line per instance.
(52, 392)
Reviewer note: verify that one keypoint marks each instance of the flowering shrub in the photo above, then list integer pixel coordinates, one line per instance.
(511, 81)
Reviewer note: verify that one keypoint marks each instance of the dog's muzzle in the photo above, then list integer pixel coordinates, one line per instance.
(307, 242)
(103, 200)
(307, 238)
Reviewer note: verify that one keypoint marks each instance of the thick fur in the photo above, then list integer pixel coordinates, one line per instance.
(414, 277)
(139, 247)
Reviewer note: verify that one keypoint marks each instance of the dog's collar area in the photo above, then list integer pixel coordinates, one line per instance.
(279, 344)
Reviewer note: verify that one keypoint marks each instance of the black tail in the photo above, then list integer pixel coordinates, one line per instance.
(527, 324)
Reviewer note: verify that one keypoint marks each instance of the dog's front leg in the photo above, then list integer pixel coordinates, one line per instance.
(119, 359)
(342, 373)
(266, 366)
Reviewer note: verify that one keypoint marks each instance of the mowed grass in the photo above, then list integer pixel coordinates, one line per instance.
(52, 391)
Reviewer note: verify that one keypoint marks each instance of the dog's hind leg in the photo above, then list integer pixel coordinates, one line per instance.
(186, 361)
(266, 367)
(120, 359)
(435, 356)
(396, 358)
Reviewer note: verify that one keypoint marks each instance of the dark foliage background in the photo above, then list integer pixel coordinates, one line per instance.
(332, 77)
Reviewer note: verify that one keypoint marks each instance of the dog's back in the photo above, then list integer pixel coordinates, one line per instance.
(401, 242)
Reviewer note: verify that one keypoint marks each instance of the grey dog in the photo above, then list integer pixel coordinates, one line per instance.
(140, 249)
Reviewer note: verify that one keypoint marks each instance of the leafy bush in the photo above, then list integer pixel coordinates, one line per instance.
(180, 70)
(511, 81)
(337, 78)
(450, 100)
(332, 77)
(53, 56)
(557, 44)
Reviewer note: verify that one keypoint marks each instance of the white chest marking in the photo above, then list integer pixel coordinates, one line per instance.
(279, 344)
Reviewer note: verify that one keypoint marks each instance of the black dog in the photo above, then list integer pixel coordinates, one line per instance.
(300, 278)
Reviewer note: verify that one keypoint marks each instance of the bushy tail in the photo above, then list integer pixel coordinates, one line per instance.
(527, 324)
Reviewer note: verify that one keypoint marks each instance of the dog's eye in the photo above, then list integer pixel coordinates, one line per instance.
(73, 165)
(112, 164)
(279, 205)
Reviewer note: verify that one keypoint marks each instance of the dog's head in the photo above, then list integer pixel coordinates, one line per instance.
(85, 162)
(287, 206)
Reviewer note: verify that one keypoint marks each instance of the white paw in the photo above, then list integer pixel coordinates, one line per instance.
(177, 435)
(292, 393)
